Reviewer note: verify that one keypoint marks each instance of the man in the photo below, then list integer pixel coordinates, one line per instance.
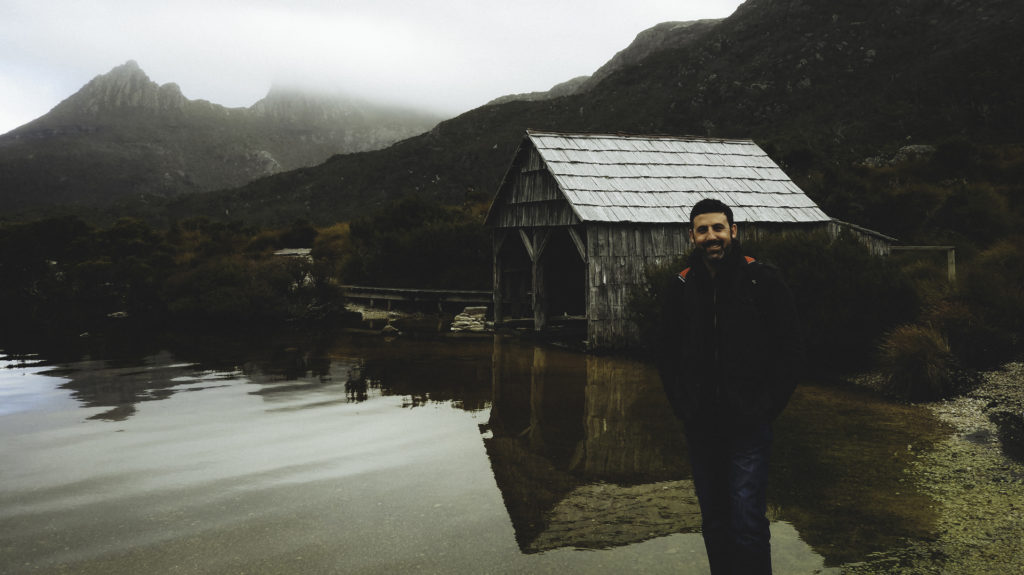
(731, 346)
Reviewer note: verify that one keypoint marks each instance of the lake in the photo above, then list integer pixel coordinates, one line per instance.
(356, 453)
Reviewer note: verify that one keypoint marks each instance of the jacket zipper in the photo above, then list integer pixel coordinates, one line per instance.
(718, 359)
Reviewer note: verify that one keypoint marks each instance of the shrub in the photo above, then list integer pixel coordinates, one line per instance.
(236, 289)
(976, 343)
(301, 234)
(846, 297)
(646, 304)
(416, 242)
(993, 290)
(994, 283)
(979, 213)
(917, 364)
(330, 252)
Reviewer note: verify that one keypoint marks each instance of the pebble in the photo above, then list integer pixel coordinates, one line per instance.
(976, 486)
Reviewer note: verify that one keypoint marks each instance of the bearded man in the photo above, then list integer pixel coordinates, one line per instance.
(731, 350)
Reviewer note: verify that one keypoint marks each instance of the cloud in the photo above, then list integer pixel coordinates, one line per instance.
(449, 55)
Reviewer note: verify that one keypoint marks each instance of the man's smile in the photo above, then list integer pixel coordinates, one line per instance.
(713, 247)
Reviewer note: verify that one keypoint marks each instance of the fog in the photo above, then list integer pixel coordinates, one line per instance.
(447, 56)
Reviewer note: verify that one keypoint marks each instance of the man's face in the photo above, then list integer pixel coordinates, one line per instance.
(712, 235)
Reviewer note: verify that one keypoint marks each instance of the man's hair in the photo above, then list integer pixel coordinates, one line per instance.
(709, 206)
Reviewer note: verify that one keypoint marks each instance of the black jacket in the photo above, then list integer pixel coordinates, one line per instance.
(732, 349)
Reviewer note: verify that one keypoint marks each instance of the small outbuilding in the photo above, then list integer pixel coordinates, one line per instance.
(578, 218)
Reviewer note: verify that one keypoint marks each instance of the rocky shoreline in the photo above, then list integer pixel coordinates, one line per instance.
(976, 478)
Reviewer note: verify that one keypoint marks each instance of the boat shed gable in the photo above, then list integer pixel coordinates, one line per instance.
(651, 179)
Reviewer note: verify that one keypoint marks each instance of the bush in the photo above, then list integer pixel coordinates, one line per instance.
(992, 290)
(976, 343)
(917, 364)
(416, 242)
(846, 297)
(994, 283)
(237, 289)
(646, 304)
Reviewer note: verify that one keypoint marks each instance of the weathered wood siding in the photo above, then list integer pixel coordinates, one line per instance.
(618, 257)
(534, 199)
(878, 244)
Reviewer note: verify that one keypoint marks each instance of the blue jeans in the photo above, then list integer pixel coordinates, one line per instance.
(730, 475)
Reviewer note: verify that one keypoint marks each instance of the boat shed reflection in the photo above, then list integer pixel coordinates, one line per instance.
(585, 450)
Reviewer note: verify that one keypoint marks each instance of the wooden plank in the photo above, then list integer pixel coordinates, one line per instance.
(541, 237)
(416, 294)
(579, 244)
(528, 243)
(537, 214)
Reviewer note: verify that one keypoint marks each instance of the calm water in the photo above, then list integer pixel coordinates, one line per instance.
(359, 454)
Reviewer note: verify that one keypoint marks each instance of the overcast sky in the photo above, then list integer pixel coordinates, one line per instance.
(446, 55)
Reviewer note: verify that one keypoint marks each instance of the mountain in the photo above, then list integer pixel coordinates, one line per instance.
(122, 135)
(817, 83)
(664, 35)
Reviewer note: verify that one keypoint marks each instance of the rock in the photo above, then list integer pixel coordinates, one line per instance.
(902, 156)
(473, 318)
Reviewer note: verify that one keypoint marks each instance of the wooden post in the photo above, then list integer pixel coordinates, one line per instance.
(528, 244)
(579, 244)
(540, 300)
(499, 242)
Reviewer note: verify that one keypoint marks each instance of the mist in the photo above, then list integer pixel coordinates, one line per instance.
(446, 57)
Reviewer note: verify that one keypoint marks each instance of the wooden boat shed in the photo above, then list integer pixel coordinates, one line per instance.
(578, 218)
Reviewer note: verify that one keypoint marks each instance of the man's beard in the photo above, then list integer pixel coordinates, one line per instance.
(727, 253)
(711, 255)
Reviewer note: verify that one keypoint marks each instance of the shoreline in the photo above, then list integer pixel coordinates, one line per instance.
(977, 486)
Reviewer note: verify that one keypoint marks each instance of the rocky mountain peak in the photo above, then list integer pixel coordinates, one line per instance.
(125, 86)
(123, 134)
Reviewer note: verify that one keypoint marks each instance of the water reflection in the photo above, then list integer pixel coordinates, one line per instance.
(583, 450)
(587, 454)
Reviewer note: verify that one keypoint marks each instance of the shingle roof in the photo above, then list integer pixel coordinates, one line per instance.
(657, 179)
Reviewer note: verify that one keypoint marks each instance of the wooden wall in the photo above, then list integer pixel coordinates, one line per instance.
(619, 255)
(878, 244)
(534, 199)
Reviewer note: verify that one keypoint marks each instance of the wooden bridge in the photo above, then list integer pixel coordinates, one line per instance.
(387, 296)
